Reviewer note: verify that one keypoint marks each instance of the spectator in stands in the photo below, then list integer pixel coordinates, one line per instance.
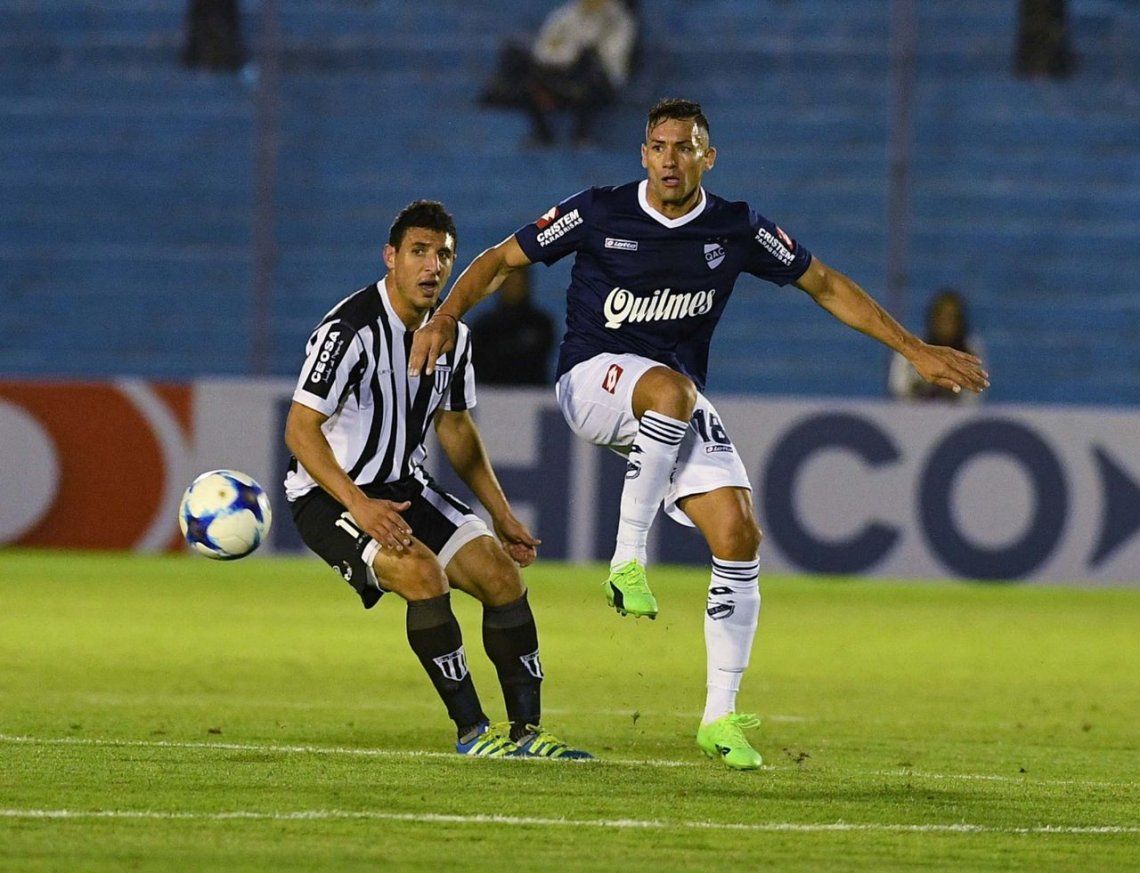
(512, 343)
(578, 63)
(213, 35)
(1043, 40)
(947, 324)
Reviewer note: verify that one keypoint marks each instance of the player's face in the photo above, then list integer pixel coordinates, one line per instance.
(419, 270)
(676, 154)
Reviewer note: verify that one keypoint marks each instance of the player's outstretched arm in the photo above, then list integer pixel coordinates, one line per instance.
(843, 298)
(482, 276)
(380, 519)
(459, 438)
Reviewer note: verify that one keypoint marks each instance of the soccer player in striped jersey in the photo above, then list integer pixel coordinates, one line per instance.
(655, 263)
(361, 498)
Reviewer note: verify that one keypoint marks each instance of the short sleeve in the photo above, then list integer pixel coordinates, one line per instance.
(560, 231)
(333, 364)
(772, 253)
(461, 392)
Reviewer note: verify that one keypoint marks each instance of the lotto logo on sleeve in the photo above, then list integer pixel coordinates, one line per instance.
(609, 383)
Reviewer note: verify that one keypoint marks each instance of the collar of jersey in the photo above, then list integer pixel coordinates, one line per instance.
(661, 219)
(393, 318)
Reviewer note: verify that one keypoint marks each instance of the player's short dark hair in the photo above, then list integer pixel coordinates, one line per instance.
(676, 108)
(428, 214)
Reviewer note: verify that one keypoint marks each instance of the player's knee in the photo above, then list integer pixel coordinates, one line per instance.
(503, 583)
(414, 576)
(667, 392)
(739, 541)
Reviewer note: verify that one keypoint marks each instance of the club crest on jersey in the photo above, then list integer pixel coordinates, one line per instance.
(714, 255)
(442, 377)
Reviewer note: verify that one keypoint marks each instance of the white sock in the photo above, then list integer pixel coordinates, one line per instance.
(651, 461)
(731, 617)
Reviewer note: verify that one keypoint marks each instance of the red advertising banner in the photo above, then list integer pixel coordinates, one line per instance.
(87, 465)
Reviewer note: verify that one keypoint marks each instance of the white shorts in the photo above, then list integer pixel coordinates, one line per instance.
(596, 398)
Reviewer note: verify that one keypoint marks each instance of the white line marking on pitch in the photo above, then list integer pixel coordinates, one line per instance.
(414, 753)
(616, 824)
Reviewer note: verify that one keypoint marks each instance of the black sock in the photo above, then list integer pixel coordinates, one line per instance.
(511, 640)
(435, 637)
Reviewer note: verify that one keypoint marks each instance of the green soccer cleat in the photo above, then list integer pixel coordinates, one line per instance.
(724, 739)
(628, 592)
(490, 742)
(538, 743)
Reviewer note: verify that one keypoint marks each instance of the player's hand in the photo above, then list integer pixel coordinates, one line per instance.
(381, 520)
(518, 542)
(951, 369)
(435, 338)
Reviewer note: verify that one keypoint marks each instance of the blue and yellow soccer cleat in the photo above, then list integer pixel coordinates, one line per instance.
(538, 743)
(724, 738)
(489, 742)
(628, 592)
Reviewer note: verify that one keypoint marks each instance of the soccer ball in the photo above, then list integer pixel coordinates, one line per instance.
(224, 515)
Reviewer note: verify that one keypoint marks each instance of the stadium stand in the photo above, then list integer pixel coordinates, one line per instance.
(125, 236)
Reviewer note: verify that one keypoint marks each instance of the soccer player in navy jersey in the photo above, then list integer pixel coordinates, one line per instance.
(655, 263)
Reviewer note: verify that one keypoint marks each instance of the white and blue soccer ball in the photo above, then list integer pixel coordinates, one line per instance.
(224, 515)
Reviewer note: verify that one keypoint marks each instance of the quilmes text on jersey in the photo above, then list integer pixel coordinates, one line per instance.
(622, 305)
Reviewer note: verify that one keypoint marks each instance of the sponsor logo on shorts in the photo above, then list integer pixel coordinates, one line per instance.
(625, 245)
(632, 469)
(559, 228)
(776, 247)
(714, 255)
(717, 448)
(613, 374)
(622, 305)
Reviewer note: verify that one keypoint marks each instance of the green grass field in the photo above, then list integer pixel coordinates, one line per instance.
(163, 713)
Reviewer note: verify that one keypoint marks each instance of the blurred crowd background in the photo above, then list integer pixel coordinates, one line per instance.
(187, 188)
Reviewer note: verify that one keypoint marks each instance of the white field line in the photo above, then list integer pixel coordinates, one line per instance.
(511, 820)
(269, 748)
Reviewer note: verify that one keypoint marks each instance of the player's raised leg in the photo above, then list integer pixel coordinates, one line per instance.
(726, 519)
(662, 402)
(510, 637)
(435, 637)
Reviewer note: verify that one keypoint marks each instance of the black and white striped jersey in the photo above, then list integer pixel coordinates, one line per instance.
(356, 373)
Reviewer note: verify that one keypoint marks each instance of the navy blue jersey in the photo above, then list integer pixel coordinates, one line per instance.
(648, 285)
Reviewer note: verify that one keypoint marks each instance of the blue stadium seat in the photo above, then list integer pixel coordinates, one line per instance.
(128, 181)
